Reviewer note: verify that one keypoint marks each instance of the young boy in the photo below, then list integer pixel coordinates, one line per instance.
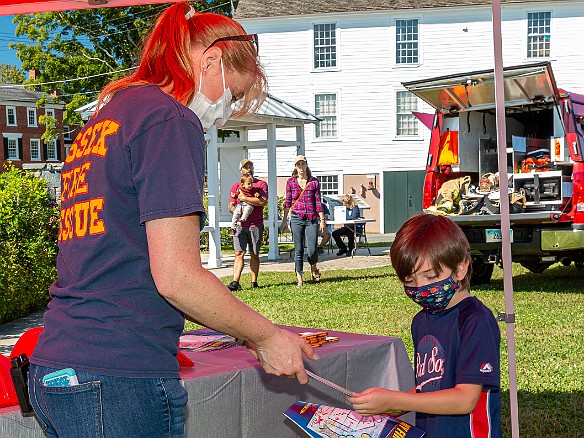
(243, 209)
(456, 338)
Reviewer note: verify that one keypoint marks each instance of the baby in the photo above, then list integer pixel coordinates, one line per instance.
(243, 209)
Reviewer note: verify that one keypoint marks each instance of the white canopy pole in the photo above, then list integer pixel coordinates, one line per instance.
(274, 251)
(214, 260)
(509, 316)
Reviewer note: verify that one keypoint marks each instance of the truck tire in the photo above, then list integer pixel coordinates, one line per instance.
(481, 272)
(536, 267)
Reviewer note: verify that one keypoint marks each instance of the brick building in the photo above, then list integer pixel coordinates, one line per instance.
(21, 131)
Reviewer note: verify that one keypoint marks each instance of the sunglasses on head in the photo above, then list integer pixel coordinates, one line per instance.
(252, 37)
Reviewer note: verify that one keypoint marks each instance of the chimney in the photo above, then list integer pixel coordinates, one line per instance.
(33, 74)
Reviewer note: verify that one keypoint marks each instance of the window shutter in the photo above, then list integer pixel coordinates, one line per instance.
(5, 148)
(58, 150)
(20, 151)
(44, 157)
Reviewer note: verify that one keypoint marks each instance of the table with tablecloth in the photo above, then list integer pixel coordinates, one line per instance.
(230, 396)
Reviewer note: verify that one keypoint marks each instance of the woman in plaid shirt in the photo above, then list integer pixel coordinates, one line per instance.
(304, 201)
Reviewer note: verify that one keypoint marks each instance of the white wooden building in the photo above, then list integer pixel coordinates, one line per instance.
(345, 61)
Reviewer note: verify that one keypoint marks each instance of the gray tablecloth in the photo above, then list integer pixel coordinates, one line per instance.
(231, 397)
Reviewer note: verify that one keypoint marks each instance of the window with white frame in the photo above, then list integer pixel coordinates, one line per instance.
(406, 41)
(31, 116)
(329, 185)
(11, 116)
(325, 108)
(13, 149)
(35, 149)
(66, 133)
(52, 150)
(407, 123)
(50, 112)
(538, 34)
(325, 45)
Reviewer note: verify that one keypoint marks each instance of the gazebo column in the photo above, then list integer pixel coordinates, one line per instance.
(274, 250)
(300, 139)
(213, 199)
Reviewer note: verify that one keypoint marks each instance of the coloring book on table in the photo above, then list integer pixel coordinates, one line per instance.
(204, 340)
(320, 421)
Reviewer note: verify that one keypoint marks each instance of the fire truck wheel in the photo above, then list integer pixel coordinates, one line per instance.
(481, 272)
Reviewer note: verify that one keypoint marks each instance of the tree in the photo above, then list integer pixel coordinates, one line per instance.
(29, 223)
(10, 74)
(81, 51)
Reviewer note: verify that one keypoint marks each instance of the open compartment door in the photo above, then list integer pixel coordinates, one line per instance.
(525, 84)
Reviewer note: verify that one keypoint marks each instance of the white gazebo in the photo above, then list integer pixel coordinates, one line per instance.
(273, 114)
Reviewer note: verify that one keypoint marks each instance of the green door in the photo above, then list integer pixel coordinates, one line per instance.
(400, 204)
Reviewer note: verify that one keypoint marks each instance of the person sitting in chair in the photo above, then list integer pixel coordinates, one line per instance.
(348, 229)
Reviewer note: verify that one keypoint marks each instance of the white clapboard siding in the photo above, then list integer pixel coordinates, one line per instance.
(452, 40)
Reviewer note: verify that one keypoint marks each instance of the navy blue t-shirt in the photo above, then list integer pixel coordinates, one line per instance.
(459, 346)
(140, 158)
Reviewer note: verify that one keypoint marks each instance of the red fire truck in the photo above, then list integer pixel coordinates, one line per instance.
(544, 163)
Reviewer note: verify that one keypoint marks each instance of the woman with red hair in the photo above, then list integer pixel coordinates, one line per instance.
(129, 264)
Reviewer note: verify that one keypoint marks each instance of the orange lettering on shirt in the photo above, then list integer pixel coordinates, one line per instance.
(96, 225)
(80, 186)
(96, 133)
(65, 185)
(71, 155)
(84, 140)
(99, 147)
(81, 218)
(66, 232)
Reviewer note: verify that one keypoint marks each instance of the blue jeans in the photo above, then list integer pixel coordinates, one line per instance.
(106, 406)
(304, 231)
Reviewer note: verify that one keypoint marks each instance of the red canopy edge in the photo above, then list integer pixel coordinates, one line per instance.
(425, 118)
(577, 104)
(13, 7)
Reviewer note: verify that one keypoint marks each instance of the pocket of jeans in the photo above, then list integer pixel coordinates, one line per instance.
(75, 410)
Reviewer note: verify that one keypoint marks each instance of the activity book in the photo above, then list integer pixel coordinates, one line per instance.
(320, 421)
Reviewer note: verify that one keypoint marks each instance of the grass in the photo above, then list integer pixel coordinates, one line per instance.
(549, 330)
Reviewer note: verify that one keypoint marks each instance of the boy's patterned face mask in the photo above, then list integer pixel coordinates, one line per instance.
(434, 297)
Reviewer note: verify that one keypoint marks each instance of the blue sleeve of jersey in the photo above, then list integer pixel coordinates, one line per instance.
(478, 361)
(168, 168)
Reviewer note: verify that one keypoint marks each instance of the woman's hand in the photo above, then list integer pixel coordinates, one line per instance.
(282, 355)
(284, 227)
(322, 226)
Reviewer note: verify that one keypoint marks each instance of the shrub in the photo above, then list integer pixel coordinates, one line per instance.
(28, 243)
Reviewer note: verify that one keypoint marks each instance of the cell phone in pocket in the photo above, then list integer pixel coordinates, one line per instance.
(64, 377)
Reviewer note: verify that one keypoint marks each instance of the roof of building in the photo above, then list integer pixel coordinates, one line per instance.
(16, 93)
(281, 8)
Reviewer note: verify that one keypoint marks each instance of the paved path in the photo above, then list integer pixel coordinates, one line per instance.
(11, 331)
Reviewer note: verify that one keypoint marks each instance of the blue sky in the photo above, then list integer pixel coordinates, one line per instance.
(7, 28)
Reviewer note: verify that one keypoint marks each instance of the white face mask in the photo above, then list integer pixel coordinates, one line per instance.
(209, 112)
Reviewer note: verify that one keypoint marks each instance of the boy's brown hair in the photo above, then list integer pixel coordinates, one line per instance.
(431, 237)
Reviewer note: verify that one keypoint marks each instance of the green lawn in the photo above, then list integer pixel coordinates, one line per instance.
(549, 330)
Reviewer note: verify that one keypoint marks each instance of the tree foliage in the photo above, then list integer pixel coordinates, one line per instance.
(10, 74)
(29, 222)
(79, 52)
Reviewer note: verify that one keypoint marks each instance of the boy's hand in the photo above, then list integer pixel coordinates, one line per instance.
(374, 401)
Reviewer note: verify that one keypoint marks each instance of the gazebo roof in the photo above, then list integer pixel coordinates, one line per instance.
(273, 109)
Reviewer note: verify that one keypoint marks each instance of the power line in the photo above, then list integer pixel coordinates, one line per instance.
(67, 80)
